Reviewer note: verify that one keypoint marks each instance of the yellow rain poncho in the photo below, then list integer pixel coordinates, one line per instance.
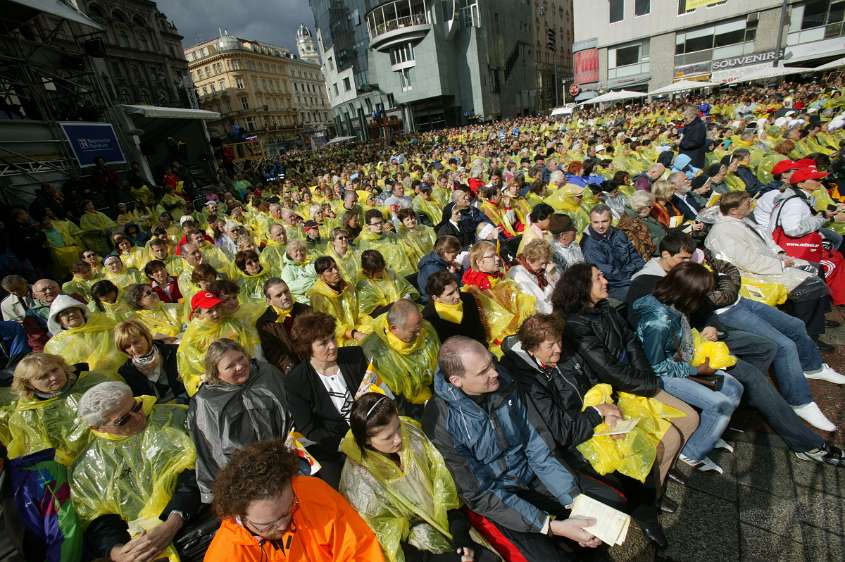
(79, 286)
(716, 351)
(504, 308)
(252, 286)
(200, 334)
(95, 228)
(124, 278)
(407, 504)
(349, 264)
(429, 208)
(343, 307)
(272, 258)
(165, 320)
(134, 477)
(418, 242)
(633, 455)
(35, 425)
(374, 293)
(135, 258)
(391, 249)
(407, 369)
(91, 343)
(117, 311)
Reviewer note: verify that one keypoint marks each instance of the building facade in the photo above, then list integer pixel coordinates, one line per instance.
(647, 44)
(306, 46)
(140, 58)
(260, 90)
(430, 64)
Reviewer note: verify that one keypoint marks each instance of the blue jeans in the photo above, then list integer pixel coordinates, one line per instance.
(796, 352)
(716, 410)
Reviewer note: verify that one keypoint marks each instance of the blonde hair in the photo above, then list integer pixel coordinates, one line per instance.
(477, 252)
(641, 200)
(127, 330)
(662, 190)
(34, 365)
(536, 250)
(215, 353)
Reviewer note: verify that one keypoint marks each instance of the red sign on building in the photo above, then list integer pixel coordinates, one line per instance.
(586, 66)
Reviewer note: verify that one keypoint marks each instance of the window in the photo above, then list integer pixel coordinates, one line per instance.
(731, 32)
(642, 7)
(682, 7)
(250, 123)
(405, 79)
(336, 92)
(347, 86)
(627, 55)
(403, 53)
(245, 102)
(239, 82)
(617, 10)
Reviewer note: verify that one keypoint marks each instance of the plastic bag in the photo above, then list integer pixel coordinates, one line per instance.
(717, 351)
(772, 294)
(634, 454)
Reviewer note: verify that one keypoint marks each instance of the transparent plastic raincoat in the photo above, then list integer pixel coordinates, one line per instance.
(373, 293)
(124, 278)
(166, 319)
(272, 257)
(91, 343)
(407, 504)
(190, 357)
(134, 477)
(343, 307)
(391, 248)
(252, 286)
(349, 264)
(34, 425)
(504, 307)
(407, 369)
(418, 242)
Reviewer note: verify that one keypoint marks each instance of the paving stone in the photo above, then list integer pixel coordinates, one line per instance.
(764, 468)
(821, 510)
(704, 529)
(821, 477)
(636, 548)
(822, 545)
(773, 514)
(762, 545)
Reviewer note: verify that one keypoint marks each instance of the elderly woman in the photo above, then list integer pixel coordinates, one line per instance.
(116, 272)
(44, 415)
(134, 485)
(151, 369)
(321, 389)
(298, 272)
(379, 287)
(536, 274)
(397, 480)
(334, 296)
(664, 211)
(105, 299)
(418, 239)
(252, 274)
(164, 321)
(242, 401)
(344, 255)
(643, 230)
(82, 337)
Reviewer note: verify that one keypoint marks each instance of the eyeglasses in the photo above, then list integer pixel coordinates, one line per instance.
(274, 524)
(122, 420)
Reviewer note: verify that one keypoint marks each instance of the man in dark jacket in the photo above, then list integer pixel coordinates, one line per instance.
(694, 141)
(460, 219)
(459, 317)
(609, 249)
(742, 160)
(274, 325)
(442, 258)
(503, 468)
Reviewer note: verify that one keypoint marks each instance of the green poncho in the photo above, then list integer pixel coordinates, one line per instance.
(402, 505)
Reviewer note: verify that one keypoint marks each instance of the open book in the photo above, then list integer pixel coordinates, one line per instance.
(611, 525)
(621, 427)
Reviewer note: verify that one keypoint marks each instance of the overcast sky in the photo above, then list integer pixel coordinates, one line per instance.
(273, 21)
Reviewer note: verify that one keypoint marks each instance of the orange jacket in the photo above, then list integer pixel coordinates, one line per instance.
(327, 529)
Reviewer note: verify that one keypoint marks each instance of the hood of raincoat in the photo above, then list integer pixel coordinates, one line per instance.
(62, 303)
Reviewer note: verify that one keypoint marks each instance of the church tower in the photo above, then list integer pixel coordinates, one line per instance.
(306, 45)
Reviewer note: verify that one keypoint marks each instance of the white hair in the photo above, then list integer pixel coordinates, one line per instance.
(641, 200)
(100, 399)
(556, 176)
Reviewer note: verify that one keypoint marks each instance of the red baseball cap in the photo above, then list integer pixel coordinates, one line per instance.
(204, 299)
(784, 166)
(806, 173)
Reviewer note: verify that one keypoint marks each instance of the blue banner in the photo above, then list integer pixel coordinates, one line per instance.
(90, 141)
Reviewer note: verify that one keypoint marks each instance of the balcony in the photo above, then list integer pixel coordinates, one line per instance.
(396, 22)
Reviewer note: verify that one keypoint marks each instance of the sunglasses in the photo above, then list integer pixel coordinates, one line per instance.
(122, 420)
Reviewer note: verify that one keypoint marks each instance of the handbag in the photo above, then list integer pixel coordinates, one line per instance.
(808, 247)
(192, 543)
(714, 382)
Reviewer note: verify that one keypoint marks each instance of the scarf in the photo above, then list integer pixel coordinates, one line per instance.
(398, 345)
(540, 277)
(147, 362)
(283, 314)
(453, 313)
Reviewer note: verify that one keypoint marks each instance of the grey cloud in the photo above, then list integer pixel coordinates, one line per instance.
(273, 21)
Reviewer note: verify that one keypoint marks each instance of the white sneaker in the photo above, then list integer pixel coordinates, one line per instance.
(812, 415)
(722, 444)
(703, 465)
(826, 374)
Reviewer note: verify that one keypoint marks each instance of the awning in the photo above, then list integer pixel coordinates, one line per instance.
(770, 72)
(338, 140)
(586, 95)
(59, 9)
(682, 86)
(615, 96)
(564, 110)
(832, 64)
(171, 112)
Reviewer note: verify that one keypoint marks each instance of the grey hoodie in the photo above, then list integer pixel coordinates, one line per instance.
(651, 267)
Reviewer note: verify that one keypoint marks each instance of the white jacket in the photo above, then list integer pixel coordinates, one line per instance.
(793, 213)
(753, 252)
(528, 283)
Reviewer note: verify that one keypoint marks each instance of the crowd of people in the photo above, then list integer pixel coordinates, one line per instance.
(427, 350)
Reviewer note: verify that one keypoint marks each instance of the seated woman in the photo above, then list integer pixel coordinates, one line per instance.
(611, 352)
(164, 321)
(252, 275)
(397, 480)
(335, 297)
(116, 272)
(321, 388)
(132, 256)
(105, 299)
(553, 380)
(502, 303)
(44, 415)
(664, 211)
(450, 311)
(298, 271)
(346, 258)
(442, 258)
(95, 228)
(379, 287)
(536, 274)
(82, 337)
(133, 496)
(643, 230)
(241, 402)
(151, 369)
(79, 287)
(234, 305)
(377, 237)
(418, 239)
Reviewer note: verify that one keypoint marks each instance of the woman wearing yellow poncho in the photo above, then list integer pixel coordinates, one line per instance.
(417, 239)
(162, 320)
(105, 300)
(374, 238)
(335, 297)
(398, 482)
(80, 336)
(95, 229)
(425, 204)
(403, 351)
(343, 255)
(252, 275)
(378, 287)
(119, 274)
(44, 416)
(138, 470)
